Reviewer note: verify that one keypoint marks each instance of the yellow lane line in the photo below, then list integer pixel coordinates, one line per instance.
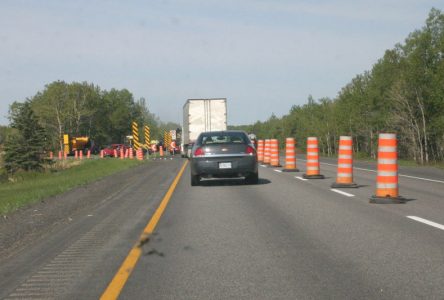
(116, 285)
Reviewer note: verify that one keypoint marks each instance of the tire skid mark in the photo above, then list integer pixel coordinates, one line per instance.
(59, 275)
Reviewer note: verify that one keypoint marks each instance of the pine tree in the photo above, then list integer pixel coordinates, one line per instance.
(25, 149)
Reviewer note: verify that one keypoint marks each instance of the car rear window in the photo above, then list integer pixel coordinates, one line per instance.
(223, 138)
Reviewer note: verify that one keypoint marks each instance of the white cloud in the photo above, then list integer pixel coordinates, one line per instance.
(253, 50)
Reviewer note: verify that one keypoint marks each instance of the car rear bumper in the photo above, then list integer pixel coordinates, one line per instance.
(209, 166)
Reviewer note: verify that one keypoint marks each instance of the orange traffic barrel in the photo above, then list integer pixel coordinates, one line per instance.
(161, 151)
(76, 154)
(313, 168)
(65, 155)
(101, 154)
(88, 154)
(267, 152)
(274, 153)
(131, 153)
(115, 153)
(139, 154)
(344, 179)
(51, 155)
(260, 150)
(60, 155)
(387, 175)
(122, 153)
(81, 154)
(290, 155)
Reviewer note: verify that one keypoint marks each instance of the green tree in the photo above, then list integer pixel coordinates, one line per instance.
(25, 150)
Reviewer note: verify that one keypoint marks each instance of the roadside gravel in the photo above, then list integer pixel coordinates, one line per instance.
(20, 228)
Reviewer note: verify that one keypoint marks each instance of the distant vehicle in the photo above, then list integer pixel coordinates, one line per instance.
(202, 115)
(224, 154)
(78, 143)
(253, 139)
(108, 151)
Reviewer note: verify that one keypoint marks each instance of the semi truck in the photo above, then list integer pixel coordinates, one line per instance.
(201, 115)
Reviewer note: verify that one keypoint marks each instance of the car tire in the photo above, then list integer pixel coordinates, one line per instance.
(252, 178)
(195, 180)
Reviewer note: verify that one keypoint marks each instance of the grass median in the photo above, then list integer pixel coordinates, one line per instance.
(61, 177)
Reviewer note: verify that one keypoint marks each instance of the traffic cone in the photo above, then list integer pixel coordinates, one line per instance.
(115, 153)
(161, 151)
(88, 154)
(267, 152)
(387, 178)
(122, 153)
(81, 154)
(312, 170)
(260, 150)
(139, 154)
(274, 153)
(131, 153)
(60, 155)
(290, 155)
(344, 178)
(76, 154)
(101, 154)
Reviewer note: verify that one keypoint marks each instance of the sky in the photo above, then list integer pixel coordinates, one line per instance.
(264, 56)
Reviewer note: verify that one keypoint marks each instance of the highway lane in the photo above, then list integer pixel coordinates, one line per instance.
(290, 239)
(282, 239)
(425, 197)
(77, 259)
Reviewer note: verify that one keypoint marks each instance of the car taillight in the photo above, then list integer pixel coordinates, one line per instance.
(199, 152)
(250, 150)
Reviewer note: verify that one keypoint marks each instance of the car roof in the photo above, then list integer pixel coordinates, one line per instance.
(224, 131)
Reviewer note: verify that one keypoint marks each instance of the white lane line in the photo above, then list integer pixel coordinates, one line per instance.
(300, 178)
(436, 225)
(279, 171)
(374, 171)
(342, 193)
(263, 166)
(362, 169)
(420, 178)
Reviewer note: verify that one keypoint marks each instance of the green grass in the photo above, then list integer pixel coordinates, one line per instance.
(34, 186)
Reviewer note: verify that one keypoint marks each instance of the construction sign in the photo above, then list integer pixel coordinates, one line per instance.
(136, 141)
(147, 136)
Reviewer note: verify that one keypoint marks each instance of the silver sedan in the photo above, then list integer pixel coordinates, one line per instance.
(224, 154)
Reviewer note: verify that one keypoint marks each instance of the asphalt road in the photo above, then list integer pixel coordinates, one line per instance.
(285, 238)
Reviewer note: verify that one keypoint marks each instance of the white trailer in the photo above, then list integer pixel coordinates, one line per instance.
(201, 115)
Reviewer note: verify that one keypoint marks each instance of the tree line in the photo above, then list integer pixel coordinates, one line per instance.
(38, 124)
(402, 93)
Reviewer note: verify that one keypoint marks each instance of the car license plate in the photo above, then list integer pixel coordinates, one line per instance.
(225, 165)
